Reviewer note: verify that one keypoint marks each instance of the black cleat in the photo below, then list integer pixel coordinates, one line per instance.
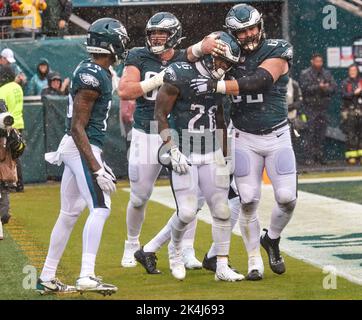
(5, 218)
(210, 264)
(271, 246)
(254, 275)
(147, 260)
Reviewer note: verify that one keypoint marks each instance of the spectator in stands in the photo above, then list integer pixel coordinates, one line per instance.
(39, 81)
(31, 11)
(318, 86)
(55, 85)
(56, 18)
(12, 94)
(351, 114)
(5, 11)
(7, 58)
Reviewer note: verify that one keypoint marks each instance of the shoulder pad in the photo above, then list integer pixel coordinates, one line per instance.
(88, 76)
(279, 48)
(177, 73)
(136, 56)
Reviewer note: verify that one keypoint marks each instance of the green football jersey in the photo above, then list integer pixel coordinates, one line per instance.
(149, 65)
(261, 111)
(91, 76)
(193, 117)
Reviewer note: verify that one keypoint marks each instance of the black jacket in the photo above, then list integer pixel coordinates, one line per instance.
(349, 86)
(313, 95)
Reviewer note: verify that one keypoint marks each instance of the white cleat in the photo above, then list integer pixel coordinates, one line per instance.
(95, 284)
(189, 259)
(255, 268)
(179, 271)
(177, 265)
(224, 273)
(128, 259)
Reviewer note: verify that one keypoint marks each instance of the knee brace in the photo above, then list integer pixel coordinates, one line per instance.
(186, 215)
(248, 194)
(219, 207)
(285, 196)
(138, 200)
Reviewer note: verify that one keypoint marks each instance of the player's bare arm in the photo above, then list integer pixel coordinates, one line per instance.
(129, 85)
(82, 108)
(165, 101)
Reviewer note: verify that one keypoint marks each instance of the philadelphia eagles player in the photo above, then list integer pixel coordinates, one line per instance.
(87, 181)
(195, 153)
(262, 136)
(142, 76)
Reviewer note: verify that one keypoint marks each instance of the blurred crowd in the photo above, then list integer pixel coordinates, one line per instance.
(34, 18)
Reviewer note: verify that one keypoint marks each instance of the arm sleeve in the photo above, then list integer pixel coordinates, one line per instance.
(260, 81)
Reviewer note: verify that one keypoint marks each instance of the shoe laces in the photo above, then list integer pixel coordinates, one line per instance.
(151, 259)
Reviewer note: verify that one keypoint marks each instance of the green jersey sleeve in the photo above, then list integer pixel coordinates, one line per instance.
(280, 49)
(178, 74)
(88, 77)
(135, 58)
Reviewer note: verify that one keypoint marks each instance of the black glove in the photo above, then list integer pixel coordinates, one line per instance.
(203, 85)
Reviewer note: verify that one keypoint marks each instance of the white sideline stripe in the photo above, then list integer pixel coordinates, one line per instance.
(314, 215)
(332, 179)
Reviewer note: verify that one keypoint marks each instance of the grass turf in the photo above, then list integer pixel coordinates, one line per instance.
(343, 190)
(37, 210)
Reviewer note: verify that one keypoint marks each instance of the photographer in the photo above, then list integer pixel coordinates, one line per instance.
(351, 115)
(11, 148)
(12, 93)
(318, 86)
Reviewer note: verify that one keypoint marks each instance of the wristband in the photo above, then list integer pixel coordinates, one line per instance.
(152, 83)
(196, 50)
(221, 87)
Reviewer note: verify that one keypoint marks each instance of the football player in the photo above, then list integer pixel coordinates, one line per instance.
(142, 76)
(262, 137)
(87, 181)
(195, 153)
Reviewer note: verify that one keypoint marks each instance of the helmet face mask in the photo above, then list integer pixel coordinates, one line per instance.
(243, 18)
(218, 66)
(167, 22)
(108, 36)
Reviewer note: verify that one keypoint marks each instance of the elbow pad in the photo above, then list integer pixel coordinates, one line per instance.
(260, 81)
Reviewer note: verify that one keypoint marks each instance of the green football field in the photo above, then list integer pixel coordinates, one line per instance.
(36, 210)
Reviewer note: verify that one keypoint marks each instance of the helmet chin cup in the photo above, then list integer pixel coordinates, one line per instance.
(218, 74)
(158, 49)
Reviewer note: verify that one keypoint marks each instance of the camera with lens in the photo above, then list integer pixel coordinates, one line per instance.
(6, 119)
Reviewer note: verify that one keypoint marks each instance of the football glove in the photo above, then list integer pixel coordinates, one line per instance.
(106, 179)
(203, 85)
(179, 161)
